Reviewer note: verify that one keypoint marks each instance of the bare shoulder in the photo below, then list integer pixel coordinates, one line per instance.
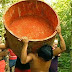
(31, 54)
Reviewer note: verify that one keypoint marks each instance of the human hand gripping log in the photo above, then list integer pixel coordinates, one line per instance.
(62, 47)
(25, 39)
(24, 57)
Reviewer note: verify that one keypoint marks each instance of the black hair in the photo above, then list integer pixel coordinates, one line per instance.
(45, 52)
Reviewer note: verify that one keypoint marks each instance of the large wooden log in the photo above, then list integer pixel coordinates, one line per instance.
(32, 9)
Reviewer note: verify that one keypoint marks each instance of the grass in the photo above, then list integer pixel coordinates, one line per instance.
(64, 62)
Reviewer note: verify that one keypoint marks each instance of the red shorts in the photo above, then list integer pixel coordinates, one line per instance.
(2, 66)
(19, 70)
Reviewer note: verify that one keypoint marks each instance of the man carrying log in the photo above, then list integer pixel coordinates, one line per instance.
(41, 60)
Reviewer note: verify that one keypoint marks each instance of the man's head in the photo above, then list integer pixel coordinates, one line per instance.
(55, 43)
(45, 52)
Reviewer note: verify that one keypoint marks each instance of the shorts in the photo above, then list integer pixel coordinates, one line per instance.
(12, 63)
(54, 65)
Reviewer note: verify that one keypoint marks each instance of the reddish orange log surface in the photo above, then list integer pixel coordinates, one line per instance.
(31, 18)
(31, 26)
(34, 20)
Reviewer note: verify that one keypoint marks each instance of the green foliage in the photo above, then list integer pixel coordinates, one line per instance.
(64, 63)
(62, 7)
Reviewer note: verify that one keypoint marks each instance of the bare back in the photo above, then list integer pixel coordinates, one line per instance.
(39, 65)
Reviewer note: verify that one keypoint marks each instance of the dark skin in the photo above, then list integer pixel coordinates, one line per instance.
(38, 64)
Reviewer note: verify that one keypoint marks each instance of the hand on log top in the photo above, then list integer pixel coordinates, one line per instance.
(25, 39)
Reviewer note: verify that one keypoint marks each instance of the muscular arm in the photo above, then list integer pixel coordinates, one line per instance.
(62, 47)
(24, 57)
